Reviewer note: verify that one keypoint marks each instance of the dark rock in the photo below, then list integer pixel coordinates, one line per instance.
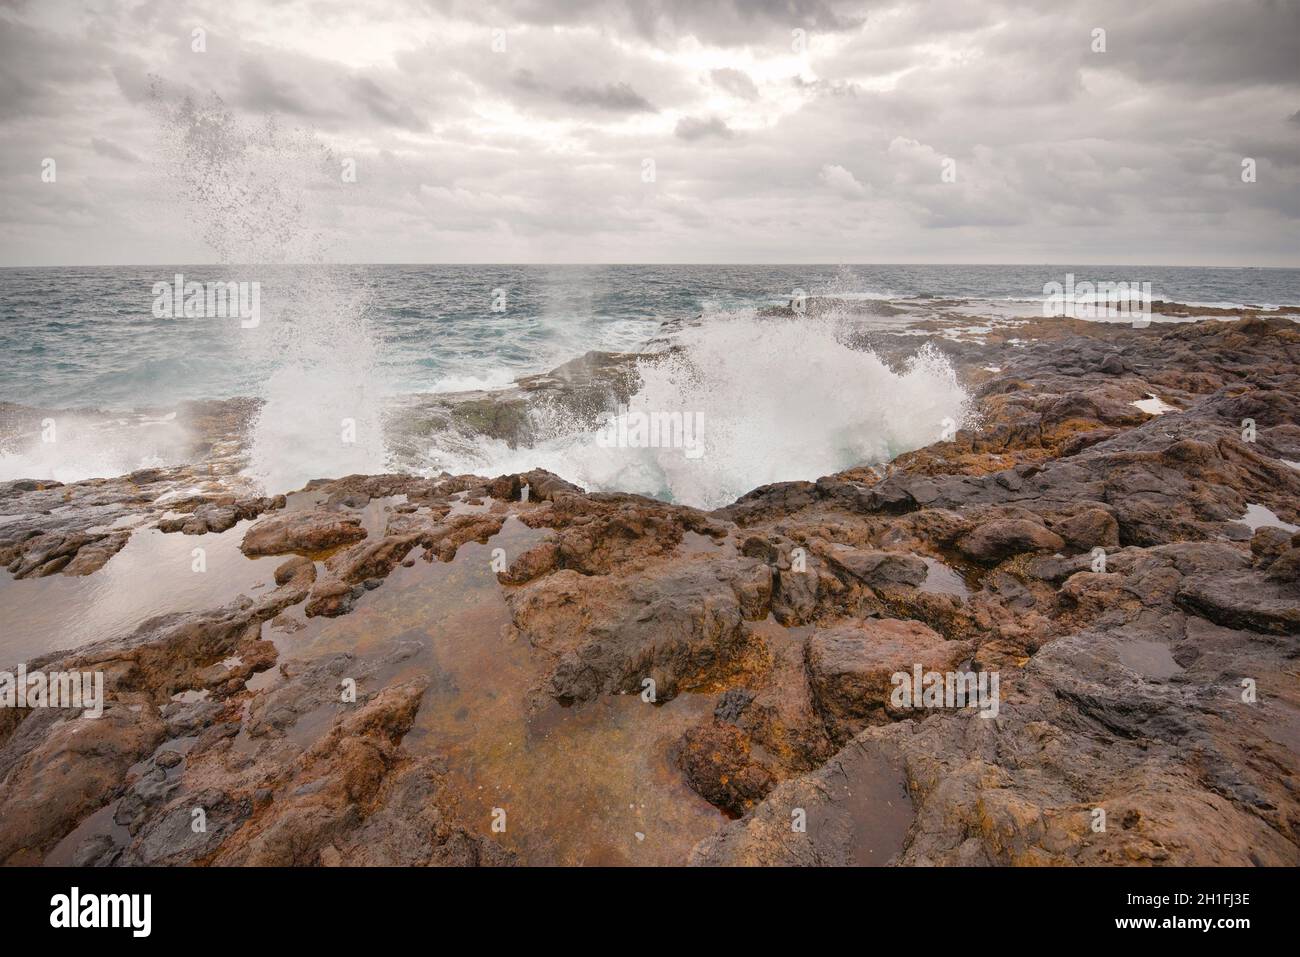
(1001, 538)
(717, 763)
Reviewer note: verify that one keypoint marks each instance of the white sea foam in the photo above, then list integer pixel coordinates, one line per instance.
(496, 379)
(322, 411)
(253, 191)
(780, 400)
(321, 419)
(69, 447)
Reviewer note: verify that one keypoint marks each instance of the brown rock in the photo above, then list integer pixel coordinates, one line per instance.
(536, 561)
(850, 669)
(95, 555)
(717, 763)
(1286, 568)
(291, 568)
(306, 533)
(1001, 538)
(1090, 529)
(76, 769)
(878, 569)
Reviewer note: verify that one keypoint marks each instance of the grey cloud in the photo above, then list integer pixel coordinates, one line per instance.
(613, 97)
(525, 79)
(736, 82)
(821, 87)
(133, 80)
(619, 97)
(262, 81)
(692, 128)
(724, 22)
(842, 181)
(40, 71)
(1204, 43)
(263, 92)
(536, 151)
(106, 147)
(383, 106)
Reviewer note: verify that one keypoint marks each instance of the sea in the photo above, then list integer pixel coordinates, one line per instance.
(331, 343)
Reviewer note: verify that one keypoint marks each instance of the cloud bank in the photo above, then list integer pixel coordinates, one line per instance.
(790, 131)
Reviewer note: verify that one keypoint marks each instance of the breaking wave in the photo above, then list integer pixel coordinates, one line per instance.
(256, 192)
(777, 400)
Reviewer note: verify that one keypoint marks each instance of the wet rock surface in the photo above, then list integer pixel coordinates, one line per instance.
(732, 670)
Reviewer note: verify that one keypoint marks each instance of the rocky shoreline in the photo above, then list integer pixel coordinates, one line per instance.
(571, 677)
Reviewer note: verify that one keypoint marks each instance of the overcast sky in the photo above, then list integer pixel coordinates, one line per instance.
(768, 144)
